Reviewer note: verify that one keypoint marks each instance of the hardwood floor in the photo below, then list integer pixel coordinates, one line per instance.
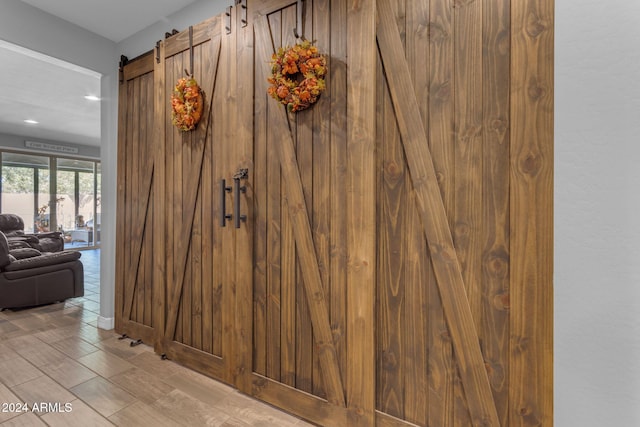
(58, 369)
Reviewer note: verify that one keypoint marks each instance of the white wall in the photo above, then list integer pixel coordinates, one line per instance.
(195, 13)
(597, 212)
(34, 29)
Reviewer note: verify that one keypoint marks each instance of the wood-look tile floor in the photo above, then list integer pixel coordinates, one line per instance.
(56, 355)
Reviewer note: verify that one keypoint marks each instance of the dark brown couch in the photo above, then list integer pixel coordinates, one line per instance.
(13, 227)
(29, 278)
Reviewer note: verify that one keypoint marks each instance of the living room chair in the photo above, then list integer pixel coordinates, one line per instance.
(29, 277)
(12, 226)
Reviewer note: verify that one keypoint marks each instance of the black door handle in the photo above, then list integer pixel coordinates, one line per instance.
(237, 189)
(223, 203)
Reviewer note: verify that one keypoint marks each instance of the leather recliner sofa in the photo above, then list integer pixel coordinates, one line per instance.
(30, 278)
(13, 227)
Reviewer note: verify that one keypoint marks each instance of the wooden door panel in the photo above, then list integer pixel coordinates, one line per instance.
(198, 294)
(444, 258)
(312, 295)
(134, 298)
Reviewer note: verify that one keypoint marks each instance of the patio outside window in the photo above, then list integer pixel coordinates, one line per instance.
(53, 193)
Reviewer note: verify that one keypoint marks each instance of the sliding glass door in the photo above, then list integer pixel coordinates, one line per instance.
(53, 193)
(78, 192)
(25, 191)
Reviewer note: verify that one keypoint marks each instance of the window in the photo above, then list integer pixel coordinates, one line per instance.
(53, 193)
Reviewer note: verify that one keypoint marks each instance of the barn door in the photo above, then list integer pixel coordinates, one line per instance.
(451, 317)
(301, 356)
(296, 345)
(437, 349)
(443, 183)
(387, 260)
(198, 251)
(139, 286)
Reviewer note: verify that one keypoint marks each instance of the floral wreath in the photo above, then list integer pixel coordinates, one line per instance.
(186, 104)
(297, 76)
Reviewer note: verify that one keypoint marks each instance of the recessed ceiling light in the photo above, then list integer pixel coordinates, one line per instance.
(31, 121)
(91, 98)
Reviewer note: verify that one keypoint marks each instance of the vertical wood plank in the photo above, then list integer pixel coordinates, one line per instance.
(495, 257)
(337, 88)
(178, 195)
(188, 147)
(246, 235)
(531, 213)
(265, 228)
(170, 214)
(391, 225)
(415, 332)
(441, 123)
(227, 85)
(302, 123)
(220, 165)
(131, 273)
(197, 246)
(160, 205)
(321, 170)
(281, 308)
(141, 161)
(208, 218)
(189, 194)
(467, 230)
(121, 205)
(149, 231)
(361, 210)
(286, 259)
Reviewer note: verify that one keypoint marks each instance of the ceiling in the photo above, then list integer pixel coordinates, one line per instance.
(50, 91)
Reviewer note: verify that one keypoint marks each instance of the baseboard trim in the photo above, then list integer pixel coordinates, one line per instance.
(105, 323)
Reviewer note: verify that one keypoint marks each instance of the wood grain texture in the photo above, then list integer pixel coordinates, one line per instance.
(319, 18)
(495, 256)
(245, 235)
(418, 262)
(337, 88)
(302, 231)
(227, 96)
(148, 235)
(198, 229)
(386, 420)
(266, 232)
(207, 218)
(283, 255)
(392, 252)
(134, 294)
(301, 126)
(123, 99)
(170, 132)
(440, 132)
(421, 209)
(435, 223)
(467, 213)
(192, 182)
(531, 213)
(361, 212)
(305, 405)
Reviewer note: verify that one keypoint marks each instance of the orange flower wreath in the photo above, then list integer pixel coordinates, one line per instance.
(297, 76)
(186, 104)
